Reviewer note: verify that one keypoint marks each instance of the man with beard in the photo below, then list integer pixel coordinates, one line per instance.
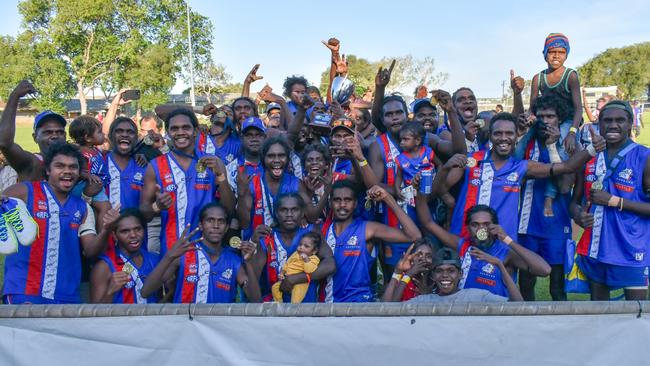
(494, 177)
(179, 183)
(484, 237)
(279, 243)
(389, 114)
(49, 128)
(351, 241)
(49, 270)
(615, 212)
(258, 193)
(206, 271)
(221, 139)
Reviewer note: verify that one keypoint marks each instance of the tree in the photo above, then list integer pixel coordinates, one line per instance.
(627, 67)
(211, 79)
(101, 42)
(409, 72)
(360, 71)
(25, 58)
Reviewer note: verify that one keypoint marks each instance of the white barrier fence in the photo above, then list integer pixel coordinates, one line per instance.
(571, 333)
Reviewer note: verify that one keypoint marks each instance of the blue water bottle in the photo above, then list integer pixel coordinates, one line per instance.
(426, 181)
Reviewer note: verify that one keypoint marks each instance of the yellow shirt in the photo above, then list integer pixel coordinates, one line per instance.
(295, 264)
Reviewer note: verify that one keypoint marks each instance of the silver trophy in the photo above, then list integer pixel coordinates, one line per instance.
(342, 89)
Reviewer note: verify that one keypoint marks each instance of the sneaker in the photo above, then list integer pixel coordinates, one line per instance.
(8, 241)
(17, 217)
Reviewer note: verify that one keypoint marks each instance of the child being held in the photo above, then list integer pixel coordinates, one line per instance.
(303, 260)
(86, 132)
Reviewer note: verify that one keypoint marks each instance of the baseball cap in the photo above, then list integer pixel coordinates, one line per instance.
(253, 122)
(343, 122)
(48, 115)
(272, 106)
(446, 256)
(425, 102)
(618, 104)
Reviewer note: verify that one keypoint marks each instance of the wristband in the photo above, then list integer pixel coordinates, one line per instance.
(88, 199)
(406, 279)
(308, 277)
(507, 240)
(397, 276)
(591, 150)
(363, 163)
(621, 207)
(155, 207)
(614, 201)
(573, 129)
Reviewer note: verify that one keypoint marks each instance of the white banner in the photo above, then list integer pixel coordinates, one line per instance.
(617, 339)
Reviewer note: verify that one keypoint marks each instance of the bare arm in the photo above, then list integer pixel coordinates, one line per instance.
(457, 144)
(424, 215)
(534, 91)
(517, 84)
(513, 291)
(104, 284)
(409, 231)
(576, 98)
(24, 163)
(111, 113)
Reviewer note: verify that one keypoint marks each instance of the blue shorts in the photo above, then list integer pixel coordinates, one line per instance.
(552, 250)
(30, 299)
(612, 275)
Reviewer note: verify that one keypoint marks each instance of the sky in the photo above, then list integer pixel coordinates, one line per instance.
(475, 42)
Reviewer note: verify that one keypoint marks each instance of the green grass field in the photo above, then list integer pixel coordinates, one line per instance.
(24, 139)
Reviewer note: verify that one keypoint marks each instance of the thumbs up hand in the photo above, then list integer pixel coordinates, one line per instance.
(163, 200)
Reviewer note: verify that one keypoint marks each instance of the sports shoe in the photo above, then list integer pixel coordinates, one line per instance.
(8, 241)
(17, 217)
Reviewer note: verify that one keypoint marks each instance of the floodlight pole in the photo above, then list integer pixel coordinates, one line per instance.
(189, 42)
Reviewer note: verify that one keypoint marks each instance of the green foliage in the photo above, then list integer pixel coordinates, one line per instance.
(627, 67)
(408, 73)
(107, 44)
(360, 71)
(211, 79)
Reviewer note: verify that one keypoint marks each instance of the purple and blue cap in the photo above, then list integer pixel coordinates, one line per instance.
(253, 122)
(48, 116)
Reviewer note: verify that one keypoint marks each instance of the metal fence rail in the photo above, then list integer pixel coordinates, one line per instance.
(328, 310)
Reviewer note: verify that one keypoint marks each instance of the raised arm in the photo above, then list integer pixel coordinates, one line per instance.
(250, 78)
(381, 81)
(24, 163)
(590, 115)
(534, 91)
(457, 144)
(409, 231)
(517, 84)
(427, 224)
(111, 113)
(334, 46)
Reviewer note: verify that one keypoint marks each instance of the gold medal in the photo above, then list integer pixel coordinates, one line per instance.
(482, 234)
(597, 185)
(200, 167)
(433, 100)
(235, 242)
(128, 268)
(471, 162)
(368, 204)
(480, 122)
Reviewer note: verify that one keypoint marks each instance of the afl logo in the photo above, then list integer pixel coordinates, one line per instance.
(192, 278)
(170, 188)
(42, 215)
